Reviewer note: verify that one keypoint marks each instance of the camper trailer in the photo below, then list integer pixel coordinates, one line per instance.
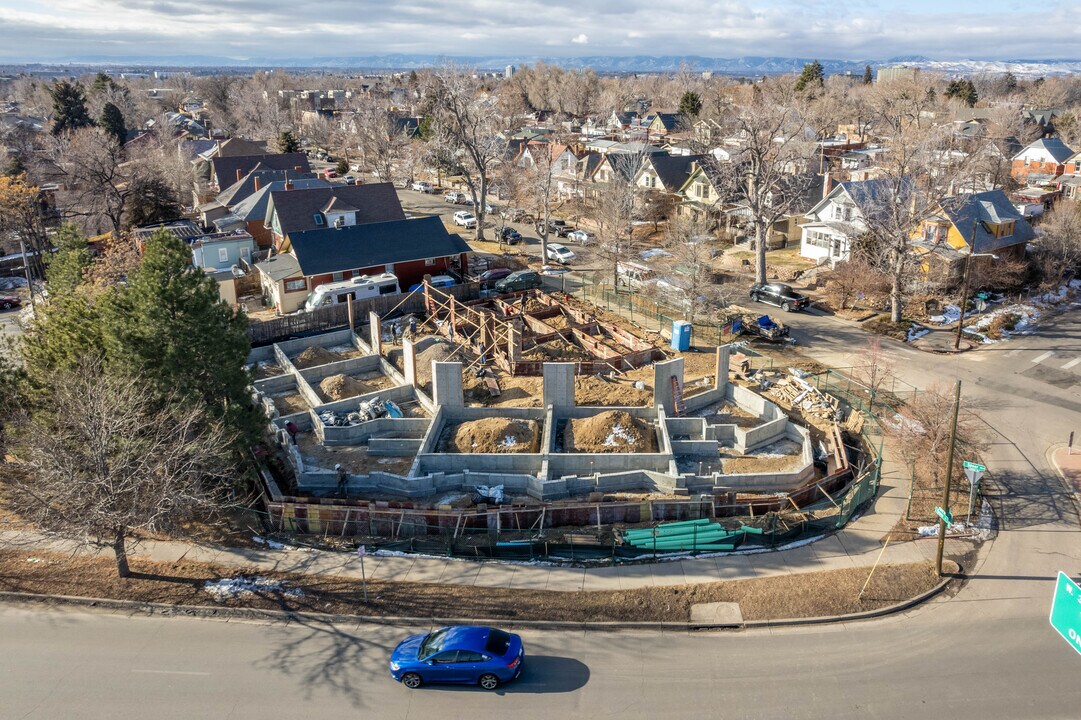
(359, 288)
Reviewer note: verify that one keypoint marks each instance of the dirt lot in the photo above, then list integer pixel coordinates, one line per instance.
(492, 435)
(517, 391)
(289, 403)
(593, 390)
(805, 595)
(264, 370)
(354, 458)
(780, 456)
(339, 387)
(732, 414)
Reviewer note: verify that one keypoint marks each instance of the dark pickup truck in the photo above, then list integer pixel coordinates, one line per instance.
(779, 294)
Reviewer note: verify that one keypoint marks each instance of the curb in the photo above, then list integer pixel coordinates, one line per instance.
(228, 613)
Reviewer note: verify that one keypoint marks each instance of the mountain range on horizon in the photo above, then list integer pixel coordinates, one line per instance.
(745, 66)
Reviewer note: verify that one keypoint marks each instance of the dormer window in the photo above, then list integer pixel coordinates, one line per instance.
(317, 219)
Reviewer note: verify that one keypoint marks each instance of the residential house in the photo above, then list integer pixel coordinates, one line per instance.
(664, 124)
(1042, 161)
(295, 210)
(615, 167)
(833, 224)
(666, 173)
(410, 249)
(707, 131)
(226, 170)
(702, 192)
(618, 122)
(250, 213)
(221, 251)
(985, 222)
(259, 177)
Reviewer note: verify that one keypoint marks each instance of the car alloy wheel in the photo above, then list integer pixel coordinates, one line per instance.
(7, 306)
(787, 307)
(754, 297)
(489, 681)
(411, 681)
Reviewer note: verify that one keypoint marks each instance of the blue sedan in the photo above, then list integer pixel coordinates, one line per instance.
(462, 654)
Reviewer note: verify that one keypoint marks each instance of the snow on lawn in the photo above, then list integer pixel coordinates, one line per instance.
(916, 332)
(247, 585)
(950, 314)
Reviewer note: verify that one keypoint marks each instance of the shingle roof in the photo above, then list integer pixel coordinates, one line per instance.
(360, 246)
(673, 170)
(245, 187)
(224, 169)
(254, 206)
(279, 267)
(987, 207)
(1053, 147)
(296, 208)
(672, 121)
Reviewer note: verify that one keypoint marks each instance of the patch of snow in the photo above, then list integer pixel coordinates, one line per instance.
(342, 349)
(950, 314)
(245, 585)
(508, 441)
(916, 332)
(898, 421)
(653, 252)
(618, 435)
(272, 544)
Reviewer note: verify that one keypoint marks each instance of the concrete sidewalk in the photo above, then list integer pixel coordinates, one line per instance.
(856, 545)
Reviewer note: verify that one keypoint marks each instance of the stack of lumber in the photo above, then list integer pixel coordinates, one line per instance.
(797, 393)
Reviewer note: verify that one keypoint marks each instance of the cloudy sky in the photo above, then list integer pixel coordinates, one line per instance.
(296, 29)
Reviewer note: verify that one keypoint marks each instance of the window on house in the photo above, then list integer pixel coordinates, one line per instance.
(223, 255)
(429, 262)
(700, 189)
(317, 219)
(338, 277)
(296, 285)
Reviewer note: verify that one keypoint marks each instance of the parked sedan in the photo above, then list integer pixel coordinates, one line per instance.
(466, 219)
(509, 235)
(779, 294)
(493, 274)
(560, 253)
(10, 301)
(461, 654)
(520, 280)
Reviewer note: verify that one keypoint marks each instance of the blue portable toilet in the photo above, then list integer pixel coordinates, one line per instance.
(681, 335)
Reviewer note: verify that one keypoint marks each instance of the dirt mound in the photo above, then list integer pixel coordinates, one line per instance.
(558, 349)
(493, 435)
(313, 356)
(609, 432)
(440, 351)
(592, 390)
(339, 387)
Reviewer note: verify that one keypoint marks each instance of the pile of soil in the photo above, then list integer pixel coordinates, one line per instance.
(609, 432)
(559, 322)
(493, 435)
(556, 350)
(339, 387)
(313, 356)
(592, 390)
(440, 351)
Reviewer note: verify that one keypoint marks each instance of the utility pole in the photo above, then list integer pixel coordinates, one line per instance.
(964, 286)
(949, 479)
(29, 282)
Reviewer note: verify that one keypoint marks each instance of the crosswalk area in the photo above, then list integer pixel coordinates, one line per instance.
(1060, 368)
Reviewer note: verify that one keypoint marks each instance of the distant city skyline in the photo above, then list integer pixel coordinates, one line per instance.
(65, 30)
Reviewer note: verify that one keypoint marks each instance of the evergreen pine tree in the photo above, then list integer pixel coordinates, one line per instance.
(69, 107)
(690, 104)
(813, 76)
(868, 76)
(288, 142)
(171, 326)
(151, 201)
(112, 122)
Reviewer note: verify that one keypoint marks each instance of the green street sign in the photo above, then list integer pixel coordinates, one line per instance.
(1066, 611)
(946, 515)
(974, 466)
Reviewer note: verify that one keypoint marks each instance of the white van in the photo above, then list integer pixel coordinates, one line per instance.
(359, 288)
(633, 275)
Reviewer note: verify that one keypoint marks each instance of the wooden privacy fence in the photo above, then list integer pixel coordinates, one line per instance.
(264, 332)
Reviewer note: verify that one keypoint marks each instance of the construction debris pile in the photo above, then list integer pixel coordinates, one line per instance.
(794, 392)
(615, 431)
(368, 410)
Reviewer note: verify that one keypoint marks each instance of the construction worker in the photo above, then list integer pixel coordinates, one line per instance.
(292, 429)
(341, 479)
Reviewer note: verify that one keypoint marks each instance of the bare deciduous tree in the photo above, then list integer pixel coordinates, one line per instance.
(922, 432)
(109, 457)
(381, 139)
(775, 167)
(1058, 249)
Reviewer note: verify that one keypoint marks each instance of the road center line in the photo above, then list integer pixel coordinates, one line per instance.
(169, 672)
(1070, 364)
(1043, 357)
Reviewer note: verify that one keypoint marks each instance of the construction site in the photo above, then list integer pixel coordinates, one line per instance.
(522, 417)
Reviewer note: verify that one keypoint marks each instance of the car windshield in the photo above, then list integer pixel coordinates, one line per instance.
(433, 643)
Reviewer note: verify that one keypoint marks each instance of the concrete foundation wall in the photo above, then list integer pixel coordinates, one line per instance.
(515, 463)
(754, 403)
(704, 399)
(329, 339)
(749, 440)
(394, 447)
(350, 366)
(695, 447)
(559, 384)
(663, 372)
(413, 428)
(276, 384)
(447, 384)
(561, 464)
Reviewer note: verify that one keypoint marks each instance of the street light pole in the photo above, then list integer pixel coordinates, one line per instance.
(949, 479)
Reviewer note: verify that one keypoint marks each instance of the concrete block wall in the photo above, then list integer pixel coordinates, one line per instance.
(447, 384)
(326, 340)
(663, 372)
(393, 446)
(559, 384)
(349, 366)
(770, 432)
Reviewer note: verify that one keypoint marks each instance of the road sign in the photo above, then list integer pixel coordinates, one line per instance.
(946, 515)
(1066, 611)
(974, 466)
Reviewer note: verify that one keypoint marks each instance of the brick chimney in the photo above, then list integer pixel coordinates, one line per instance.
(299, 168)
(288, 184)
(258, 184)
(827, 184)
(239, 175)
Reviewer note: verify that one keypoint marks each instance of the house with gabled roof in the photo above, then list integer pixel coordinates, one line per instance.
(250, 213)
(667, 173)
(410, 249)
(985, 222)
(294, 210)
(831, 227)
(702, 192)
(259, 177)
(664, 124)
(1041, 161)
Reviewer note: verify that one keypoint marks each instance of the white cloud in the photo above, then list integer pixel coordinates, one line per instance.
(580, 39)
